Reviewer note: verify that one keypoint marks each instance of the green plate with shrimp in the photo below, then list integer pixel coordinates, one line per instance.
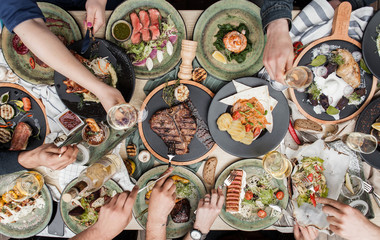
(234, 12)
(26, 65)
(248, 219)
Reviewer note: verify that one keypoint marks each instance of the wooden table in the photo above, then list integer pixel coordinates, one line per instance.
(224, 159)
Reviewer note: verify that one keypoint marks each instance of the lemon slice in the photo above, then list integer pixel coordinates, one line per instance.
(218, 56)
(376, 126)
(348, 184)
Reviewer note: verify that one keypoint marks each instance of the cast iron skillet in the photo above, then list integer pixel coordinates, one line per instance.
(370, 51)
(125, 76)
(340, 38)
(36, 117)
(266, 141)
(365, 120)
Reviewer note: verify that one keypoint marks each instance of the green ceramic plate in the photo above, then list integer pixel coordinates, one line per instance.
(251, 167)
(233, 12)
(173, 230)
(31, 224)
(65, 208)
(169, 62)
(20, 63)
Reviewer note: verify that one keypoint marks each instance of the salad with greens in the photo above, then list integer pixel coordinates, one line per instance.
(259, 192)
(310, 181)
(144, 53)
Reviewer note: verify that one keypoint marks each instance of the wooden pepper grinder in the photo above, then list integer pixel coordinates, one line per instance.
(188, 51)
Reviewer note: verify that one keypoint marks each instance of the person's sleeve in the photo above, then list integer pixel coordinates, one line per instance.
(276, 9)
(9, 162)
(360, 3)
(14, 12)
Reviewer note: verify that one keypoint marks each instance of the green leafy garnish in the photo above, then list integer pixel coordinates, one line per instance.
(354, 97)
(318, 61)
(266, 112)
(4, 98)
(314, 91)
(335, 58)
(249, 105)
(168, 93)
(332, 110)
(364, 66)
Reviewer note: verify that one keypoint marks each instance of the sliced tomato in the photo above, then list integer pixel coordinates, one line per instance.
(248, 127)
(316, 188)
(256, 132)
(312, 198)
(261, 214)
(32, 63)
(236, 115)
(248, 195)
(280, 195)
(310, 177)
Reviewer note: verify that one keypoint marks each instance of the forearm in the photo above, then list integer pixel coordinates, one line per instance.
(155, 230)
(276, 9)
(42, 42)
(91, 233)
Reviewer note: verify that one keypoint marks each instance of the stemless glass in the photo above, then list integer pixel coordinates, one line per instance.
(357, 186)
(299, 78)
(124, 116)
(26, 185)
(277, 165)
(360, 142)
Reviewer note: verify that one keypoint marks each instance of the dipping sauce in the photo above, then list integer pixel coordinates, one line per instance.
(69, 120)
(121, 30)
(95, 138)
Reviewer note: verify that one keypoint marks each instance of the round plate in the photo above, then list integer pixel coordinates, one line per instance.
(201, 98)
(173, 230)
(169, 62)
(31, 224)
(65, 208)
(233, 12)
(36, 117)
(251, 167)
(125, 79)
(363, 124)
(266, 141)
(350, 111)
(369, 47)
(20, 63)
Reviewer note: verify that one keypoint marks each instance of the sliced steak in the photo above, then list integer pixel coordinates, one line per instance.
(175, 124)
(20, 136)
(181, 211)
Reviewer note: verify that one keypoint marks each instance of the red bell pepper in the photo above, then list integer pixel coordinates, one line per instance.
(293, 133)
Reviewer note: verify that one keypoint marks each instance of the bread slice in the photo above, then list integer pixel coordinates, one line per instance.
(306, 125)
(209, 171)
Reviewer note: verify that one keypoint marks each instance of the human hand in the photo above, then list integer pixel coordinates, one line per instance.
(208, 210)
(115, 215)
(347, 221)
(48, 155)
(162, 199)
(108, 96)
(278, 53)
(305, 233)
(95, 14)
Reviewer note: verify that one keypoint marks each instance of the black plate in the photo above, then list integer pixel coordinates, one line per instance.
(38, 117)
(201, 100)
(266, 141)
(125, 78)
(349, 109)
(365, 120)
(370, 52)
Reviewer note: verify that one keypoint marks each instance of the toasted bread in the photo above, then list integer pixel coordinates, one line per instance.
(5, 135)
(199, 74)
(7, 111)
(306, 125)
(209, 171)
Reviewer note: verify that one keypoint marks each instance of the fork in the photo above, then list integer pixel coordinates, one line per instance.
(171, 153)
(227, 182)
(307, 182)
(369, 189)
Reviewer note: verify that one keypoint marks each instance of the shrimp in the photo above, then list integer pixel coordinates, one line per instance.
(235, 42)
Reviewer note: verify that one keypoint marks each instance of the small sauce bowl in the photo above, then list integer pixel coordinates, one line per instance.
(121, 30)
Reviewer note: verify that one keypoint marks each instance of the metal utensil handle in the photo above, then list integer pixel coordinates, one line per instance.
(151, 183)
(377, 198)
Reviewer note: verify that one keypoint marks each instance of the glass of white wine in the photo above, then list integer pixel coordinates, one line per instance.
(299, 78)
(126, 115)
(26, 186)
(277, 165)
(360, 142)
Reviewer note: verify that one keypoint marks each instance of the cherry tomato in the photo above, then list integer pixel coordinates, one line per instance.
(248, 195)
(256, 132)
(312, 198)
(310, 177)
(236, 115)
(280, 195)
(248, 127)
(261, 214)
(32, 63)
